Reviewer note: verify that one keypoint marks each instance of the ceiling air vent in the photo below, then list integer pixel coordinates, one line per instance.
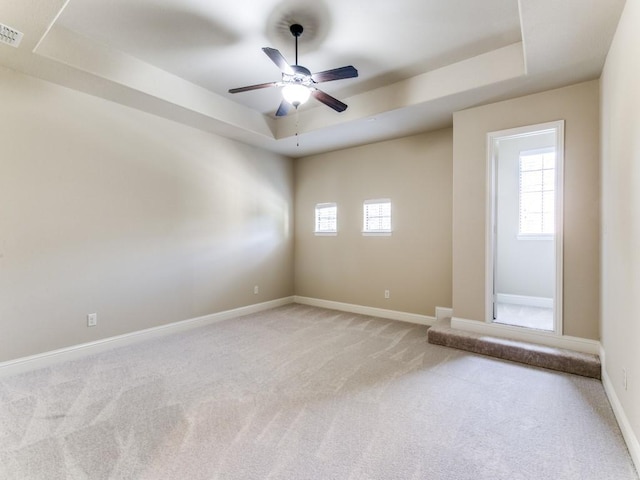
(10, 36)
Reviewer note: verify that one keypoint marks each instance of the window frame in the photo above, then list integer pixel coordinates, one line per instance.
(324, 206)
(377, 232)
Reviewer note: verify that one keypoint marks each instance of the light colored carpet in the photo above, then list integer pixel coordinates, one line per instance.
(305, 393)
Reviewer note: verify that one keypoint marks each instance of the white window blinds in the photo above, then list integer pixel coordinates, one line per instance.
(537, 193)
(377, 216)
(326, 218)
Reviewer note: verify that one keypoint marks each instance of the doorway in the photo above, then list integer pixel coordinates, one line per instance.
(524, 227)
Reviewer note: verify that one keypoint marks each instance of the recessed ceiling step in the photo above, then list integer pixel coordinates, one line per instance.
(552, 358)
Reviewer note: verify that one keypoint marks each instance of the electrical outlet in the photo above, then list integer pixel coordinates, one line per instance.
(624, 378)
(256, 290)
(92, 319)
(387, 294)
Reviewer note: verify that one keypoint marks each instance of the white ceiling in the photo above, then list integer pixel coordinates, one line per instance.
(418, 60)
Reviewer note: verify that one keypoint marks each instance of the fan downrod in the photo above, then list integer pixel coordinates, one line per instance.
(296, 30)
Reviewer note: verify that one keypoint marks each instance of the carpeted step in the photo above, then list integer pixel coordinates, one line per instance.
(559, 359)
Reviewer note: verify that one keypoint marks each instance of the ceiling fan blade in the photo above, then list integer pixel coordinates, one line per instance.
(283, 109)
(329, 101)
(335, 74)
(277, 58)
(254, 87)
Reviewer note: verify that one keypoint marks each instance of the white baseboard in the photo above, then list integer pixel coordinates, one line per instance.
(549, 339)
(625, 426)
(45, 359)
(363, 310)
(525, 300)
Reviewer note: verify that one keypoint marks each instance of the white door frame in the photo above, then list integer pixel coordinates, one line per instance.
(492, 155)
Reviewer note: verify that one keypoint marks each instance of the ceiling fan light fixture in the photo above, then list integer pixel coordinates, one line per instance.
(296, 94)
(298, 82)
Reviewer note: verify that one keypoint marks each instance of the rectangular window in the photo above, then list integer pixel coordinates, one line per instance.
(377, 217)
(537, 193)
(326, 219)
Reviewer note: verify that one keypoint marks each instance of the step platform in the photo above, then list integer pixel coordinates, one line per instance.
(559, 359)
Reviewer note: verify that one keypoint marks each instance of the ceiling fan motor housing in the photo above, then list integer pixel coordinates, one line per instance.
(301, 76)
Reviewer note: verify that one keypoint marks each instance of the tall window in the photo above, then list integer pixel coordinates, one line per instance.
(377, 217)
(326, 219)
(537, 193)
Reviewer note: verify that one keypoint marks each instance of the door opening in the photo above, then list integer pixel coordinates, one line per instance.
(524, 227)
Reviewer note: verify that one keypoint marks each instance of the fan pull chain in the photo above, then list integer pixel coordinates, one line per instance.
(297, 137)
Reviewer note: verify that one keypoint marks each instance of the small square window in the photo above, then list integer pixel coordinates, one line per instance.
(326, 219)
(377, 217)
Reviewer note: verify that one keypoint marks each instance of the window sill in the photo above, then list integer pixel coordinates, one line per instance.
(325, 234)
(376, 234)
(536, 237)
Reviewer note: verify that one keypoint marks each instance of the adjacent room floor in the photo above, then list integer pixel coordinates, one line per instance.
(305, 393)
(524, 316)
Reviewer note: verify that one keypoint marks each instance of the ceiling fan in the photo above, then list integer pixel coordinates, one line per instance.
(298, 82)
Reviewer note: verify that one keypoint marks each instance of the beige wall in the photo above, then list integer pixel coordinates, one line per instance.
(578, 106)
(415, 262)
(106, 209)
(621, 215)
